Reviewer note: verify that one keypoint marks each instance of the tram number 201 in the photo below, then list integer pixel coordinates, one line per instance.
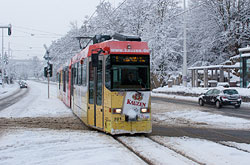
(117, 119)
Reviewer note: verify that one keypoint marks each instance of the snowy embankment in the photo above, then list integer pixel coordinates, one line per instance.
(196, 90)
(191, 94)
(22, 145)
(8, 90)
(181, 89)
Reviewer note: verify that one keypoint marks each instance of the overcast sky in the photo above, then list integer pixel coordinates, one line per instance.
(38, 22)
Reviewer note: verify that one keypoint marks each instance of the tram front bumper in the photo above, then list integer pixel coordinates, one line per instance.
(131, 127)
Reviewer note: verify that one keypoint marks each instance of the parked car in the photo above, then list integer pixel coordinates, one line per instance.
(220, 97)
(23, 84)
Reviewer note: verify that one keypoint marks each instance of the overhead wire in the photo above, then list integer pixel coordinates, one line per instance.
(32, 29)
(93, 13)
(56, 34)
(119, 6)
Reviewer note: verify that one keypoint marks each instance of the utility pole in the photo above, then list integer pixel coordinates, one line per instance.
(2, 57)
(9, 49)
(184, 72)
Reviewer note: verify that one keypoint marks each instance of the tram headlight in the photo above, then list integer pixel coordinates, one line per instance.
(117, 110)
(145, 110)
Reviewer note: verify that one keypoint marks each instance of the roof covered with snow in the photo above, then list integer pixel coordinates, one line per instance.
(246, 49)
(237, 65)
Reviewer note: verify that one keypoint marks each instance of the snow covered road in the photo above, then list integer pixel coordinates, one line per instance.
(38, 130)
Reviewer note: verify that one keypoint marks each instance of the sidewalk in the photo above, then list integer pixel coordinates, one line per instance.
(8, 90)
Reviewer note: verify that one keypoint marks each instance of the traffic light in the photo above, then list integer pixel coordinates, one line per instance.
(9, 30)
(45, 72)
(48, 70)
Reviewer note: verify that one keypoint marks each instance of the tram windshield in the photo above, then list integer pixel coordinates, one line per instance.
(125, 72)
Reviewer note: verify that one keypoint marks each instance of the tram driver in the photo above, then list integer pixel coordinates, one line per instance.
(130, 79)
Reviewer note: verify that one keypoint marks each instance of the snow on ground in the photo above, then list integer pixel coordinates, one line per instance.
(8, 89)
(198, 90)
(157, 153)
(49, 147)
(242, 146)
(204, 118)
(37, 104)
(198, 118)
(64, 146)
(189, 98)
(206, 151)
(177, 88)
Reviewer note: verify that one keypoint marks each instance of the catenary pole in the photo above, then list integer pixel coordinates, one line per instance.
(2, 60)
(184, 72)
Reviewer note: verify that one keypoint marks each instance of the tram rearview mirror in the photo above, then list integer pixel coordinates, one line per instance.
(94, 59)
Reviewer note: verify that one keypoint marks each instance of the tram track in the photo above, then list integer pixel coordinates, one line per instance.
(143, 158)
(148, 160)
(177, 151)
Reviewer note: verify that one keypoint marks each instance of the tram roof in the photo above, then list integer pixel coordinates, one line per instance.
(114, 47)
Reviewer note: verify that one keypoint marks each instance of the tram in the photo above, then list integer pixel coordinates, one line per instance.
(107, 85)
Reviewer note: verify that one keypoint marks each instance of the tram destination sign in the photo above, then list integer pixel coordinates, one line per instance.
(134, 59)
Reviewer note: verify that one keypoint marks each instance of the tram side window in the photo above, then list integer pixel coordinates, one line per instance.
(91, 84)
(99, 83)
(67, 75)
(108, 73)
(75, 74)
(79, 74)
(59, 79)
(64, 81)
(84, 73)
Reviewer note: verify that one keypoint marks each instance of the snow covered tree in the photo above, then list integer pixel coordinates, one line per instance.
(64, 48)
(217, 28)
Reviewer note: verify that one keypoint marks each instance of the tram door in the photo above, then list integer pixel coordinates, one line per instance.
(95, 109)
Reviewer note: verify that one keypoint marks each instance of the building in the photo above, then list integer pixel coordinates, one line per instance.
(209, 76)
(245, 67)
